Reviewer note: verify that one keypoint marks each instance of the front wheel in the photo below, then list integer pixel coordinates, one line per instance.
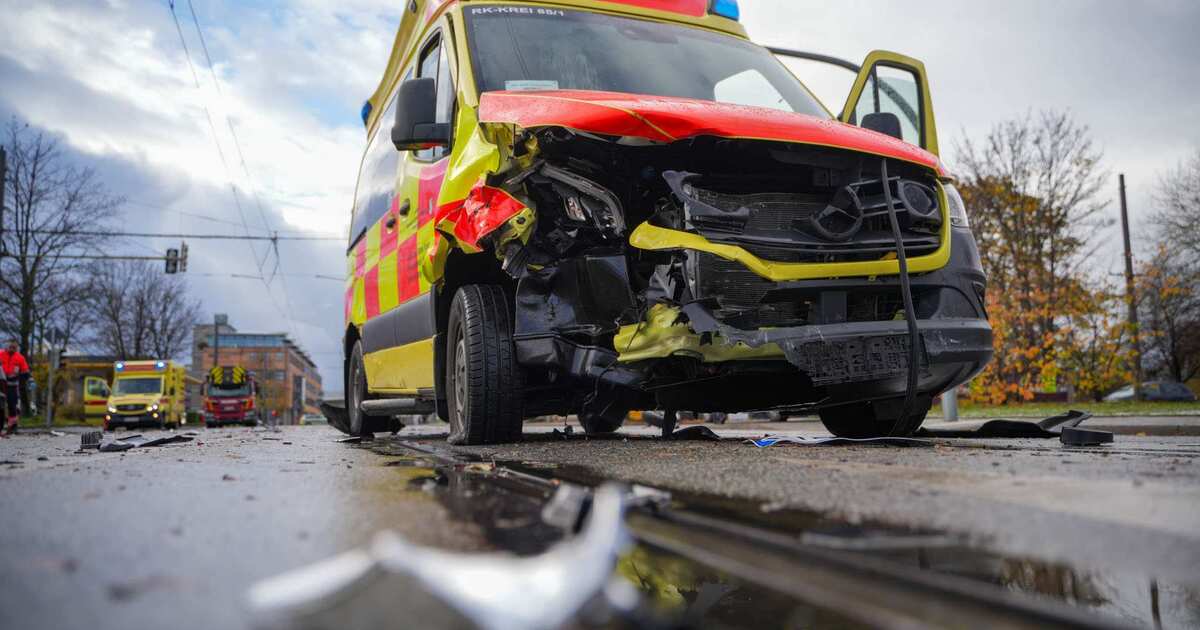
(483, 379)
(861, 420)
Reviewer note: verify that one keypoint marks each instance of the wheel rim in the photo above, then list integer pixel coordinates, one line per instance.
(460, 378)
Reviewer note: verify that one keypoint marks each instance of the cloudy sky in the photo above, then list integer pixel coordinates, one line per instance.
(111, 80)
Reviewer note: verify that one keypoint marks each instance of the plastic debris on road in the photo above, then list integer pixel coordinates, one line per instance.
(800, 440)
(1074, 436)
(1003, 428)
(696, 432)
(90, 439)
(138, 441)
(394, 580)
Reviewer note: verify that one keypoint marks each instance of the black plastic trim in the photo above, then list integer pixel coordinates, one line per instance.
(410, 322)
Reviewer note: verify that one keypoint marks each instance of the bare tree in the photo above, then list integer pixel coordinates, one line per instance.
(1035, 182)
(172, 316)
(1177, 222)
(49, 200)
(141, 313)
(1169, 304)
(66, 310)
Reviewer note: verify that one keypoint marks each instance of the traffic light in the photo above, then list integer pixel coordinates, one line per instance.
(172, 260)
(182, 257)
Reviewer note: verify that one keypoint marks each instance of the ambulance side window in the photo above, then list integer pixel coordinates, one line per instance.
(96, 387)
(435, 63)
(377, 178)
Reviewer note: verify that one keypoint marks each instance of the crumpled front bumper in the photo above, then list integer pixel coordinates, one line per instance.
(951, 349)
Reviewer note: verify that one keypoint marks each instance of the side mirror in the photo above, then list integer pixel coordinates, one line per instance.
(416, 125)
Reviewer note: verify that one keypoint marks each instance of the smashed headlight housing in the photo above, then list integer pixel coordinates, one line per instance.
(957, 209)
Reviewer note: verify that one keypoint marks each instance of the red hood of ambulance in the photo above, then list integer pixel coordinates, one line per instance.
(667, 119)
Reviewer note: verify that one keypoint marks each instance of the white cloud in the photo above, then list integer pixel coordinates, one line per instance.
(112, 80)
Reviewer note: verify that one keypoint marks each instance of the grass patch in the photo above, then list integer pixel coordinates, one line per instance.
(1044, 409)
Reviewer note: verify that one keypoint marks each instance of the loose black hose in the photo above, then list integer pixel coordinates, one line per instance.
(910, 313)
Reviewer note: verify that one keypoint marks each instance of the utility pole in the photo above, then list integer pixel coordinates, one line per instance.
(55, 358)
(216, 341)
(3, 181)
(1131, 296)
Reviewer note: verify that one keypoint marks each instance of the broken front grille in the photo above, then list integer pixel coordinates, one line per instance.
(740, 294)
(844, 225)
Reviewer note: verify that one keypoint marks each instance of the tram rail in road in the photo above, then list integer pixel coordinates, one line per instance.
(841, 586)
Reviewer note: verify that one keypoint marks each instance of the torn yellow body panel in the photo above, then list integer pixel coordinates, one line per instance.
(661, 335)
(469, 166)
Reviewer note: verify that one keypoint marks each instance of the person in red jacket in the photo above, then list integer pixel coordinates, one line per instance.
(16, 371)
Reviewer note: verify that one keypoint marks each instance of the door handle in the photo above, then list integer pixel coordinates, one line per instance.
(391, 222)
(404, 207)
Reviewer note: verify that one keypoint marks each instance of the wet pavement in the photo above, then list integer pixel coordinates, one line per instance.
(172, 536)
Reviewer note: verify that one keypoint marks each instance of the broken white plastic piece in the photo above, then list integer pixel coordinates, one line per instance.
(394, 583)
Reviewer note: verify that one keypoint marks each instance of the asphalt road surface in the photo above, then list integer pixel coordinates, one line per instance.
(173, 536)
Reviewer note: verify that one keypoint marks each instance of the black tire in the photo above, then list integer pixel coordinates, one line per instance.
(599, 424)
(483, 380)
(860, 420)
(356, 392)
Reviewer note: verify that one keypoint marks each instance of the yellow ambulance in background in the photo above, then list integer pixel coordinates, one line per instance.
(146, 394)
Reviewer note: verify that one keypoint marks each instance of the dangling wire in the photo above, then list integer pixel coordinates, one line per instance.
(910, 313)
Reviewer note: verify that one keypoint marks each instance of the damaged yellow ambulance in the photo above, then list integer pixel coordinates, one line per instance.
(587, 207)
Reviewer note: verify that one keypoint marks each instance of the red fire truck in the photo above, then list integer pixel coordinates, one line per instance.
(230, 394)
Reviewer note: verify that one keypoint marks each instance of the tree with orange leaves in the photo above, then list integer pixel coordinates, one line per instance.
(1032, 187)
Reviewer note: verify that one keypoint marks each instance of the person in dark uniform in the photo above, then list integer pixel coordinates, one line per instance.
(16, 371)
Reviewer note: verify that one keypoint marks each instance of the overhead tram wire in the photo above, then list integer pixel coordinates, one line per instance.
(245, 170)
(237, 143)
(186, 235)
(216, 139)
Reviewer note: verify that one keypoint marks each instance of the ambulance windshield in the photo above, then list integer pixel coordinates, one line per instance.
(138, 385)
(536, 48)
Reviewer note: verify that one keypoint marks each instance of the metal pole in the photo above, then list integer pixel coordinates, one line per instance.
(3, 181)
(1131, 296)
(216, 341)
(950, 405)
(50, 385)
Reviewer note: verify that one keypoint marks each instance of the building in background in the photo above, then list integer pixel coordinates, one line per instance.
(288, 379)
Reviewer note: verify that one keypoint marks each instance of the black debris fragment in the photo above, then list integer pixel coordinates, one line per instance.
(137, 441)
(335, 412)
(696, 432)
(1074, 436)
